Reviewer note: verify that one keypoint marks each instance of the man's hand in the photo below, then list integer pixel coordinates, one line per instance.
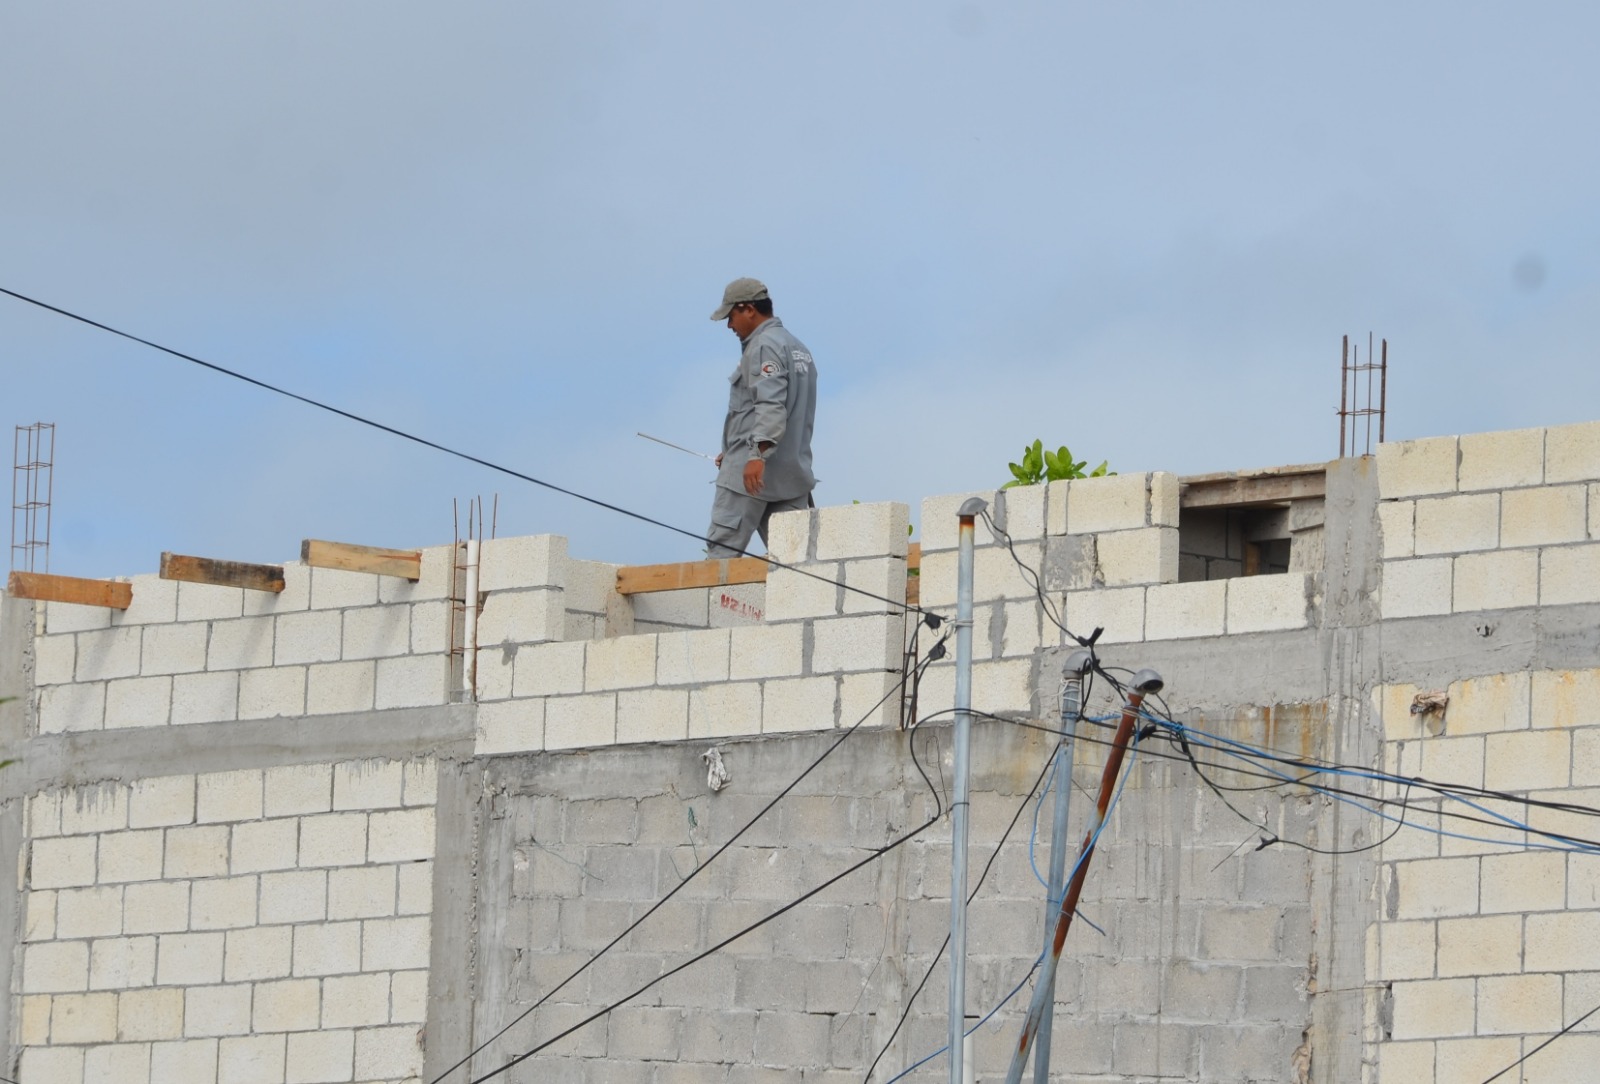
(754, 472)
(718, 460)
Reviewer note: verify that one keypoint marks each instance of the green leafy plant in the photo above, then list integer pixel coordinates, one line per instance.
(1039, 464)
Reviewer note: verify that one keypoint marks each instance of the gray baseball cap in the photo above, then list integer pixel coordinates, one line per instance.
(740, 290)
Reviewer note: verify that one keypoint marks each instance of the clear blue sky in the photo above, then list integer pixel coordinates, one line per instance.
(1139, 229)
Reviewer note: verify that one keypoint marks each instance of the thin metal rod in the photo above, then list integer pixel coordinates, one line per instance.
(679, 447)
(1071, 712)
(1383, 391)
(1045, 987)
(1344, 391)
(959, 802)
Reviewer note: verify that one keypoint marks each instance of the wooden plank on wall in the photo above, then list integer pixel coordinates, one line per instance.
(176, 566)
(639, 579)
(348, 557)
(1241, 491)
(48, 588)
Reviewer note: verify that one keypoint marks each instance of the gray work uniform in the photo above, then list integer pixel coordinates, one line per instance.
(772, 396)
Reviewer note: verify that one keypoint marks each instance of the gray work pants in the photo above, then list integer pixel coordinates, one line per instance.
(737, 516)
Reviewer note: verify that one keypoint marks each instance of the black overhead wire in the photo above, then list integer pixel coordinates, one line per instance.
(426, 443)
(917, 670)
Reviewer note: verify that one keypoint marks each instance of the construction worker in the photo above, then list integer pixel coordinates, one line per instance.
(765, 462)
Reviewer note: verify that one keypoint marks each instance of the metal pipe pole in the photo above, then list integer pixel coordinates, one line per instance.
(1144, 682)
(1071, 711)
(958, 804)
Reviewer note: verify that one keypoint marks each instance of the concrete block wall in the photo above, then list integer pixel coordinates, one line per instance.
(1476, 955)
(262, 925)
(1490, 521)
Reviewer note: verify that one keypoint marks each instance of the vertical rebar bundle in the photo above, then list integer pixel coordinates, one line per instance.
(1355, 386)
(32, 484)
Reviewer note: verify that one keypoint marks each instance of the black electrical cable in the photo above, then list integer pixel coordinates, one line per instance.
(763, 811)
(926, 975)
(1542, 1045)
(873, 856)
(426, 443)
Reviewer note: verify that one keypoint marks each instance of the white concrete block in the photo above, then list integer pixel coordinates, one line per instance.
(65, 617)
(309, 636)
(138, 702)
(1004, 685)
(156, 907)
(173, 649)
(194, 1059)
(155, 601)
(1528, 760)
(1456, 524)
(388, 1053)
(936, 581)
(198, 851)
(1113, 503)
(298, 788)
(1266, 603)
(189, 959)
(588, 585)
(1396, 521)
(1594, 512)
(296, 593)
(408, 997)
(122, 1063)
(320, 1056)
(528, 561)
(373, 632)
(689, 608)
(353, 1001)
(205, 698)
(39, 916)
(67, 708)
(336, 589)
(108, 653)
(793, 594)
(1164, 493)
(245, 644)
(130, 856)
(265, 845)
(333, 687)
(437, 568)
(259, 952)
(766, 651)
(430, 628)
(1496, 581)
(872, 699)
(799, 704)
(1025, 512)
(53, 659)
(333, 839)
(509, 726)
(862, 530)
(1572, 452)
(849, 644)
(394, 944)
(652, 715)
(1546, 516)
(940, 522)
(89, 912)
(1146, 555)
(1416, 588)
(228, 796)
(288, 1005)
(94, 808)
(296, 896)
(122, 963)
(151, 1016)
(361, 892)
(83, 1018)
(789, 536)
(333, 948)
(1120, 611)
(690, 658)
(416, 889)
(63, 1063)
(579, 721)
(1501, 460)
(222, 903)
(998, 573)
(267, 694)
(161, 802)
(874, 585)
(737, 605)
(1174, 611)
(627, 662)
(1417, 468)
(1017, 628)
(62, 863)
(412, 682)
(367, 784)
(250, 1059)
(720, 711)
(55, 967)
(549, 669)
(1569, 574)
(43, 815)
(208, 602)
(522, 617)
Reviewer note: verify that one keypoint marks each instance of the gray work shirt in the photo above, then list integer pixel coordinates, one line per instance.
(772, 396)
